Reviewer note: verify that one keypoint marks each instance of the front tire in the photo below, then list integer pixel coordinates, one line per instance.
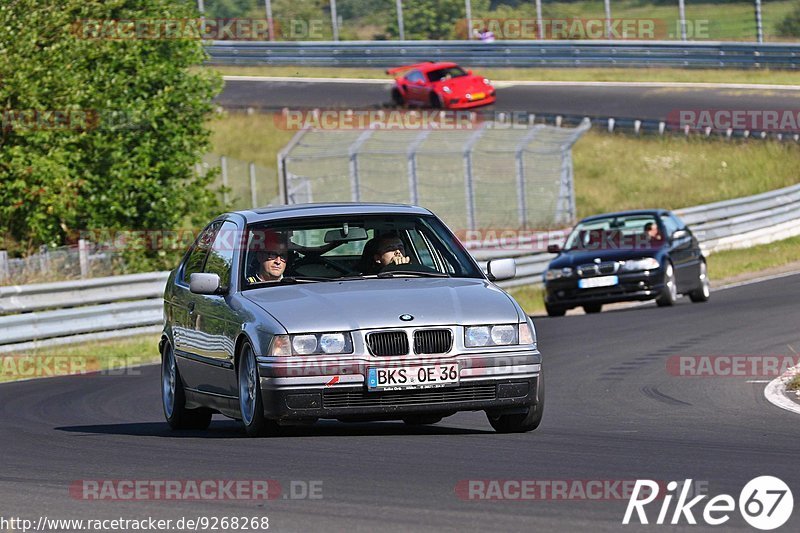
(522, 422)
(703, 292)
(251, 405)
(397, 98)
(669, 294)
(436, 102)
(173, 397)
(553, 310)
(592, 308)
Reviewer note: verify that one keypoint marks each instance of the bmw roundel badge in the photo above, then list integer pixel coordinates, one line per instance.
(406, 317)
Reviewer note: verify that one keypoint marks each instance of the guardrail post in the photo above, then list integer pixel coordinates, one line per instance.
(223, 163)
(334, 21)
(83, 257)
(44, 260)
(759, 25)
(253, 196)
(4, 270)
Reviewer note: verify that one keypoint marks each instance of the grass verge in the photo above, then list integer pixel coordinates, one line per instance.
(98, 358)
(794, 384)
(731, 263)
(765, 76)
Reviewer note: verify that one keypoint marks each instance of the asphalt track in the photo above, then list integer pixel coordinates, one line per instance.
(613, 413)
(612, 100)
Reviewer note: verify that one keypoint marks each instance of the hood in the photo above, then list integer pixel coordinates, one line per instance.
(378, 303)
(581, 257)
(466, 84)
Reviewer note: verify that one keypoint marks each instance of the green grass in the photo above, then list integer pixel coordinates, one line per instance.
(794, 384)
(730, 263)
(775, 77)
(113, 356)
(530, 297)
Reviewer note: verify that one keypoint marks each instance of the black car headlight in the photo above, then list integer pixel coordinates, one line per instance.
(312, 344)
(646, 263)
(496, 335)
(557, 273)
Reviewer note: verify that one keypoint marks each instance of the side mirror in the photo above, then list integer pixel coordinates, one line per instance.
(679, 234)
(204, 283)
(553, 249)
(500, 269)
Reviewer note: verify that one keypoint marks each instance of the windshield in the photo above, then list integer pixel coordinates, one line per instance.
(444, 74)
(616, 233)
(352, 247)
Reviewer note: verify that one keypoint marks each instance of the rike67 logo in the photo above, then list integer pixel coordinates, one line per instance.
(765, 503)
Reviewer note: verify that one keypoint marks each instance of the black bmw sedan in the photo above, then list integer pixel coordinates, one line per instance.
(625, 256)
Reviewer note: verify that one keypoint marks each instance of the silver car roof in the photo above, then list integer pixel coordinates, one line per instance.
(280, 212)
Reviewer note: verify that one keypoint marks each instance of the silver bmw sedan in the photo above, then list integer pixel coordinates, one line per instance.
(282, 316)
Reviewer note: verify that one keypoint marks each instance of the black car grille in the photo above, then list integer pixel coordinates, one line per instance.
(598, 269)
(359, 398)
(385, 343)
(432, 341)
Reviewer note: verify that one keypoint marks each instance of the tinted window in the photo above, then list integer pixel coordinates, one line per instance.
(446, 73)
(197, 254)
(670, 225)
(415, 75)
(220, 258)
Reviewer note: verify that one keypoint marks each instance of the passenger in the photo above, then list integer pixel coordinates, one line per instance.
(381, 252)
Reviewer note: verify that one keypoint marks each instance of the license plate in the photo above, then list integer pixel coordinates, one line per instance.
(602, 281)
(478, 96)
(413, 377)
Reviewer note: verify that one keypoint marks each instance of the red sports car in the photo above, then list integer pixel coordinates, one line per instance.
(440, 85)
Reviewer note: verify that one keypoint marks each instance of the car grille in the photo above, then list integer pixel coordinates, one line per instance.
(359, 398)
(598, 269)
(432, 341)
(385, 343)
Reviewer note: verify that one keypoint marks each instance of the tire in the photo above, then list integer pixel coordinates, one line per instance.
(397, 98)
(555, 311)
(251, 404)
(523, 422)
(173, 397)
(669, 293)
(703, 292)
(436, 102)
(592, 308)
(422, 420)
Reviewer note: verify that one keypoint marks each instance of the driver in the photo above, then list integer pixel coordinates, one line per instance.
(385, 251)
(271, 260)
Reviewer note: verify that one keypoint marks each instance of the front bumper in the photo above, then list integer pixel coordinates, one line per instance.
(631, 287)
(498, 383)
(461, 102)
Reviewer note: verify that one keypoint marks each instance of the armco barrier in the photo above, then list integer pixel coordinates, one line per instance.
(600, 53)
(722, 225)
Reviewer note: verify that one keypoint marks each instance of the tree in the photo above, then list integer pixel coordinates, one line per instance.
(435, 19)
(99, 133)
(790, 25)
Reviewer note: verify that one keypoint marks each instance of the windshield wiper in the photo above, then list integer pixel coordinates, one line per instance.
(412, 273)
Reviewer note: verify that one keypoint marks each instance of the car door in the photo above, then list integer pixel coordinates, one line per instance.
(216, 324)
(680, 242)
(417, 90)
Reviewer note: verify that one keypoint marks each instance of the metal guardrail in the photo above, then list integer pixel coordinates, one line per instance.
(722, 225)
(598, 53)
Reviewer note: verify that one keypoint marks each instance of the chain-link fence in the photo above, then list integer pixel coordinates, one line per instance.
(367, 20)
(246, 184)
(80, 261)
(493, 176)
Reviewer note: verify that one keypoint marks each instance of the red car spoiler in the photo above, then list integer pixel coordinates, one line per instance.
(408, 67)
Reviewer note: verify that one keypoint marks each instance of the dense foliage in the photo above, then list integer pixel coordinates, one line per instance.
(132, 124)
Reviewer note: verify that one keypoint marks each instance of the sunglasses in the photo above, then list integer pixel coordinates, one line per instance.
(271, 256)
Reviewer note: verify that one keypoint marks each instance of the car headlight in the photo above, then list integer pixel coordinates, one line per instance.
(648, 263)
(498, 335)
(446, 89)
(486, 81)
(311, 344)
(557, 273)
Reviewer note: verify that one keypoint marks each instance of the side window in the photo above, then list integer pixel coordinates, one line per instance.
(670, 226)
(421, 246)
(415, 76)
(220, 258)
(197, 255)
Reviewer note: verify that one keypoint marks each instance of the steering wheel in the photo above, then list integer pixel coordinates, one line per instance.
(312, 259)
